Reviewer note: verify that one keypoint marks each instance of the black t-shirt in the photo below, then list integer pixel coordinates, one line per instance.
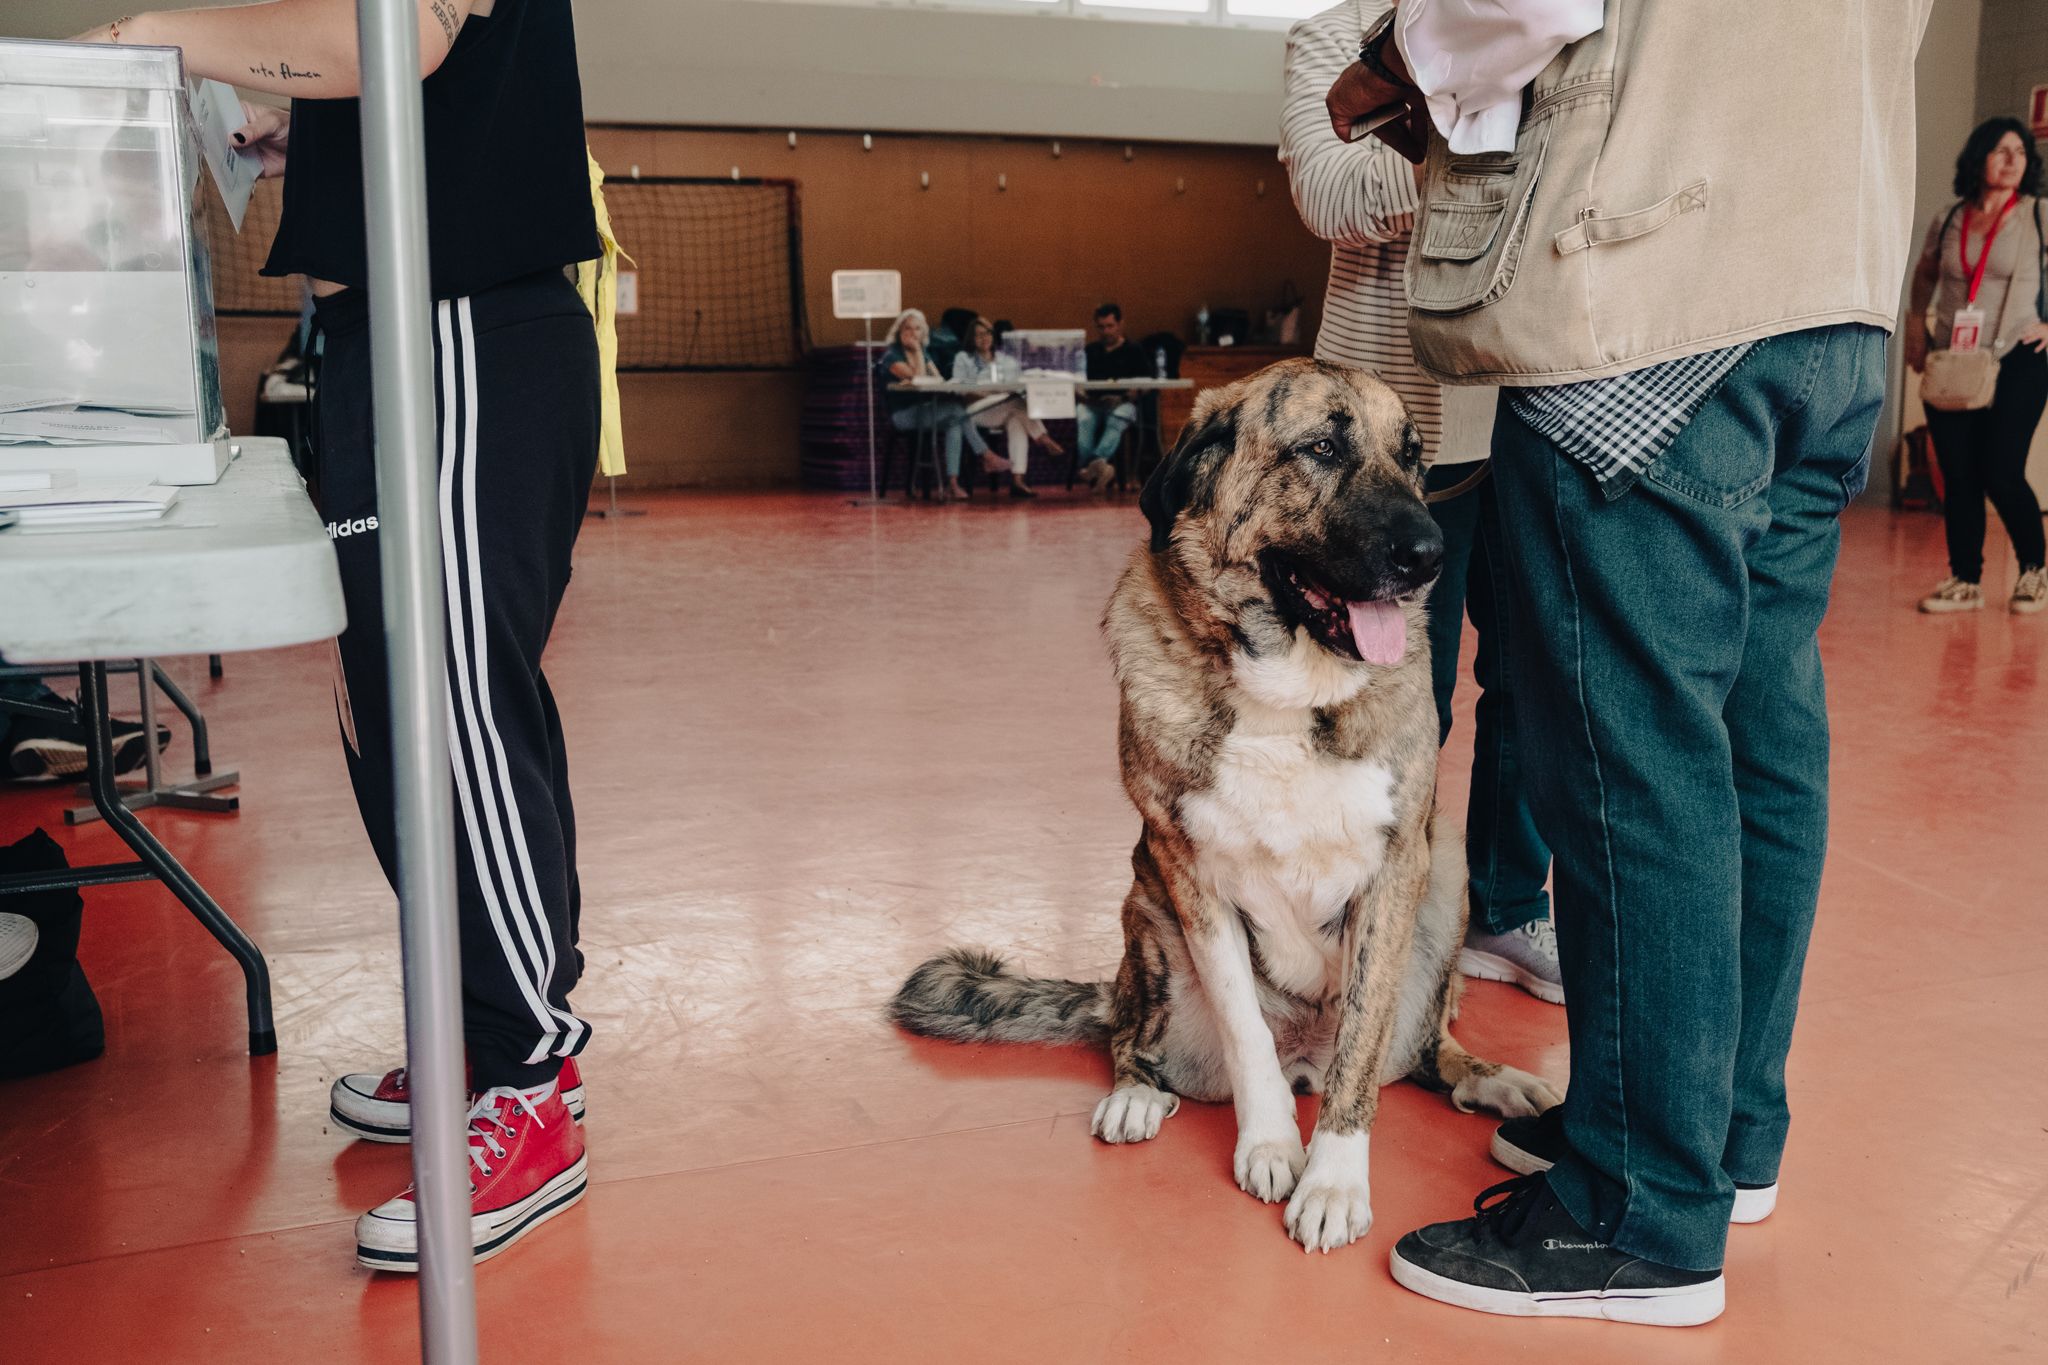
(508, 186)
(1128, 361)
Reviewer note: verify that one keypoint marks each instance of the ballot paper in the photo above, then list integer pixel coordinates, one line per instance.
(90, 504)
(217, 113)
(35, 480)
(81, 427)
(1049, 399)
(17, 398)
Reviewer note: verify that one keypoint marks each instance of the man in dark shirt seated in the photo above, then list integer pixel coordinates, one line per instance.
(1102, 417)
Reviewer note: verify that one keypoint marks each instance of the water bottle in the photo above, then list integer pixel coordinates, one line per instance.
(1159, 362)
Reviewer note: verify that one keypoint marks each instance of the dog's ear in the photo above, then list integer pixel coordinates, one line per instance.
(1187, 477)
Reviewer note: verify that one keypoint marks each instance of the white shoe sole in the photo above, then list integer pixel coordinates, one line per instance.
(393, 1244)
(384, 1121)
(2027, 608)
(1751, 1206)
(1487, 967)
(1684, 1307)
(1514, 1158)
(1934, 608)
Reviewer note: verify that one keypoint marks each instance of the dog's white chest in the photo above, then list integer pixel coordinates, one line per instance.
(1288, 836)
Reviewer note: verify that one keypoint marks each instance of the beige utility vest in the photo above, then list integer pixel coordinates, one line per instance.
(1695, 174)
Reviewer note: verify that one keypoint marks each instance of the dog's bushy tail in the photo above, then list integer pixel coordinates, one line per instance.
(967, 995)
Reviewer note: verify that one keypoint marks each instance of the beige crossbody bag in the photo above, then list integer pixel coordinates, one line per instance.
(1964, 381)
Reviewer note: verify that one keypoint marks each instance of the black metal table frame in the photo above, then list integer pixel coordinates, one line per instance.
(156, 863)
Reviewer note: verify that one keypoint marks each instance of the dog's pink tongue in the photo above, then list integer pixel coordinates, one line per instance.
(1379, 630)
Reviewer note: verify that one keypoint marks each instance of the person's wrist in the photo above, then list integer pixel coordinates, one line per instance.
(1381, 55)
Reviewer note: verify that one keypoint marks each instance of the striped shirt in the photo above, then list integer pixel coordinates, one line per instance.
(1361, 197)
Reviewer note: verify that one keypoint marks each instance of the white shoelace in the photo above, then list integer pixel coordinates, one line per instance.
(1543, 934)
(486, 1121)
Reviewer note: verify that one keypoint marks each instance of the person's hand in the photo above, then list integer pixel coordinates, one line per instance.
(1361, 91)
(1916, 348)
(264, 133)
(2035, 334)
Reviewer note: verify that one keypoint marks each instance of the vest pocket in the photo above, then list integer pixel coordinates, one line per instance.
(1474, 226)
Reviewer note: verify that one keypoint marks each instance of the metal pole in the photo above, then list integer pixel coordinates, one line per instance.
(143, 675)
(415, 627)
(867, 360)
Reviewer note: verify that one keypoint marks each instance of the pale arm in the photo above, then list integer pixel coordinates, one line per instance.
(301, 48)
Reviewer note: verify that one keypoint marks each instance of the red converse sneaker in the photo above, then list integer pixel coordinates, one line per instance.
(379, 1108)
(526, 1165)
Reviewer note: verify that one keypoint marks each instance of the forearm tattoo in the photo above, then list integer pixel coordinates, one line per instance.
(283, 71)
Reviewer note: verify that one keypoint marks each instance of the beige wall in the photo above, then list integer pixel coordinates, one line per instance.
(1946, 97)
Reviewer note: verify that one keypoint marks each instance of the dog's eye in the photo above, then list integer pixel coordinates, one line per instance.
(1324, 449)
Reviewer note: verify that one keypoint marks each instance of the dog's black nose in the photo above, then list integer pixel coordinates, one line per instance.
(1419, 558)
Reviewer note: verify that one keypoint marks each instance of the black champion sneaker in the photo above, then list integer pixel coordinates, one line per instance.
(1521, 1254)
(46, 751)
(1530, 1146)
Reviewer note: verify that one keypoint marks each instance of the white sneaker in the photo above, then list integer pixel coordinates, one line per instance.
(2030, 594)
(1953, 594)
(379, 1108)
(1525, 957)
(18, 936)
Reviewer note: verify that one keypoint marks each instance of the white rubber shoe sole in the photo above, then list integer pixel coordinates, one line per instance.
(387, 1237)
(353, 1108)
(1751, 1206)
(1488, 967)
(1687, 1306)
(18, 939)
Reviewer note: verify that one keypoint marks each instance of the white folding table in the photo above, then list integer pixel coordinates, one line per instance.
(241, 564)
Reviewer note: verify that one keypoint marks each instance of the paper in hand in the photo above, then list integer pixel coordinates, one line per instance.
(217, 113)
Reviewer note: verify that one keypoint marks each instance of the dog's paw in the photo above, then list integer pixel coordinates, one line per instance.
(1267, 1167)
(1510, 1093)
(1332, 1207)
(1133, 1113)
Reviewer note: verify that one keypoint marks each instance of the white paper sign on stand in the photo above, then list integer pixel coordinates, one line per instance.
(867, 295)
(1048, 400)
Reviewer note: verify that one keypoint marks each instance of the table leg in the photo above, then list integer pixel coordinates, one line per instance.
(99, 743)
(202, 750)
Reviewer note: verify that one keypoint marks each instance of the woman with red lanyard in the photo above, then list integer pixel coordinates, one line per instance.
(1981, 270)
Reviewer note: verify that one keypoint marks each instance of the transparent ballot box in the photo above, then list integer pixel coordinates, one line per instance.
(109, 364)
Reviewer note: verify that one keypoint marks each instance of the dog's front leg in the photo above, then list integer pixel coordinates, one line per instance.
(1332, 1206)
(1269, 1154)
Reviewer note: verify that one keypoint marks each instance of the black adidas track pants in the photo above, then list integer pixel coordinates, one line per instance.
(516, 402)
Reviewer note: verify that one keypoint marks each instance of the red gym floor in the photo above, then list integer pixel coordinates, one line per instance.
(814, 743)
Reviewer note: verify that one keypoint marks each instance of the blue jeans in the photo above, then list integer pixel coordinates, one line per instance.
(952, 423)
(1101, 430)
(1672, 702)
(1507, 859)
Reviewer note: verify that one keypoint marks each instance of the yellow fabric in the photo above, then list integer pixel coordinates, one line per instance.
(598, 282)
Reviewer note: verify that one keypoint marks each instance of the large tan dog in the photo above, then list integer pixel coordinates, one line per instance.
(1294, 922)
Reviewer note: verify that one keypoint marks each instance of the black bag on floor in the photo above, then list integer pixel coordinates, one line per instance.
(48, 1016)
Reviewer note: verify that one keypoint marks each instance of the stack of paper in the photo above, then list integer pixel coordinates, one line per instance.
(90, 504)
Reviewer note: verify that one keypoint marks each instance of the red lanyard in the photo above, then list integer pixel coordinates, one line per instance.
(1976, 273)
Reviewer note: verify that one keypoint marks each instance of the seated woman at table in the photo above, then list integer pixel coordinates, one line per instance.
(906, 361)
(980, 363)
